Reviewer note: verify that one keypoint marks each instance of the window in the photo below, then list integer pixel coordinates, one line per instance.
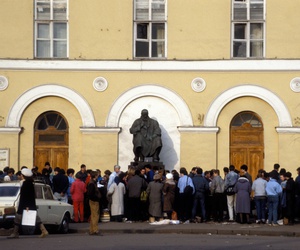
(38, 192)
(51, 128)
(48, 193)
(246, 118)
(150, 28)
(7, 191)
(51, 28)
(248, 24)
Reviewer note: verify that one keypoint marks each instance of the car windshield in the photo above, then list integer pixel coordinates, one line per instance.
(7, 191)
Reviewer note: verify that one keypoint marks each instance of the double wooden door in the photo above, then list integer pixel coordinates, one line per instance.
(247, 142)
(58, 157)
(51, 141)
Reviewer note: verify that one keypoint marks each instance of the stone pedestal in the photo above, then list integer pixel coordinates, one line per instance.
(141, 164)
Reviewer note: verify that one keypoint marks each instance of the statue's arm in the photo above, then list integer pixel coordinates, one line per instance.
(135, 128)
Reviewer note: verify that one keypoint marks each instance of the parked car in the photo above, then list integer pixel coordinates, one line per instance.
(51, 211)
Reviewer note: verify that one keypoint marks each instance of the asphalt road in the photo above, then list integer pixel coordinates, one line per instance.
(149, 241)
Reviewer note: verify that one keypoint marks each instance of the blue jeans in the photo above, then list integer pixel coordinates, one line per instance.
(273, 201)
(260, 203)
(199, 198)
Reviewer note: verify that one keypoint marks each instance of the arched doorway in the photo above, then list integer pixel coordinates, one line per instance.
(247, 142)
(51, 140)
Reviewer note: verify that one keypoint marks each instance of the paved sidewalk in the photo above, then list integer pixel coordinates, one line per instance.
(191, 228)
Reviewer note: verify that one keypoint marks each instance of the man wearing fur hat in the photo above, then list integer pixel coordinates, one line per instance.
(27, 202)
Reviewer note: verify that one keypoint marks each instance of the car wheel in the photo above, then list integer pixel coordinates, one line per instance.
(64, 226)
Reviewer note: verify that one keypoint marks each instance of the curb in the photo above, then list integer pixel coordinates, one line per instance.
(202, 231)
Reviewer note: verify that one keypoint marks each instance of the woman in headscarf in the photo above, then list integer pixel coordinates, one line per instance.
(169, 190)
(243, 189)
(154, 191)
(117, 191)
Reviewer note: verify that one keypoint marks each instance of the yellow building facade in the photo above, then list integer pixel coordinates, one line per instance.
(222, 78)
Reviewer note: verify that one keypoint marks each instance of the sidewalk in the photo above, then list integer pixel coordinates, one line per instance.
(191, 228)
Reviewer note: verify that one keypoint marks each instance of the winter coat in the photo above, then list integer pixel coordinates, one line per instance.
(27, 196)
(135, 186)
(93, 192)
(243, 189)
(169, 189)
(117, 192)
(154, 191)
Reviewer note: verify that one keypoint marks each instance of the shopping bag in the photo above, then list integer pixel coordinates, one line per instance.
(29, 217)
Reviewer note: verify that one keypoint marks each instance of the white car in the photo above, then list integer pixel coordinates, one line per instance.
(51, 211)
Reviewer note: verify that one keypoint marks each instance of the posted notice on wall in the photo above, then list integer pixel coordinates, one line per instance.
(4, 158)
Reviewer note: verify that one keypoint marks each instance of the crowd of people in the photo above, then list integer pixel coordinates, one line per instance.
(152, 194)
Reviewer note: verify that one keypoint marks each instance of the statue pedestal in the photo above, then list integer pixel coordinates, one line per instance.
(141, 164)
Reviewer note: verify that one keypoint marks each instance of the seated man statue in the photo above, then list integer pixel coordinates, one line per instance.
(146, 137)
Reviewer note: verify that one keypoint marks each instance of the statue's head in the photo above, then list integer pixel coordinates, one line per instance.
(144, 114)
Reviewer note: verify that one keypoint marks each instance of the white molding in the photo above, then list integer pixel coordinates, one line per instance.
(148, 65)
(13, 130)
(204, 130)
(100, 130)
(16, 111)
(100, 84)
(198, 84)
(173, 98)
(295, 84)
(3, 83)
(284, 118)
(285, 130)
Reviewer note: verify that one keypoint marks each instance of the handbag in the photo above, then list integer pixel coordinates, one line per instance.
(144, 196)
(230, 190)
(188, 190)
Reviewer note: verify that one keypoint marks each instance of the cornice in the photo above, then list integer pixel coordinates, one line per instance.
(155, 65)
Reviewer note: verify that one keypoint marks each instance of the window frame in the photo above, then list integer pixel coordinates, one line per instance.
(149, 40)
(248, 23)
(51, 21)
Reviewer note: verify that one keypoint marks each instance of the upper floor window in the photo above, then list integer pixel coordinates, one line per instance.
(51, 28)
(248, 28)
(150, 28)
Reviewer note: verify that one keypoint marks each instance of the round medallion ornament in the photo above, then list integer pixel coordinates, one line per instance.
(3, 83)
(100, 84)
(198, 84)
(295, 84)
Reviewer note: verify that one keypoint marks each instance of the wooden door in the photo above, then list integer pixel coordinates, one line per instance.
(247, 142)
(51, 141)
(57, 157)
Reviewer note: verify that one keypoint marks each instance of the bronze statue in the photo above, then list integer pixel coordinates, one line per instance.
(146, 137)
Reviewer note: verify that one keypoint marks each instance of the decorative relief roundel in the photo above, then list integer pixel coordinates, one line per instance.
(100, 84)
(3, 83)
(198, 84)
(295, 84)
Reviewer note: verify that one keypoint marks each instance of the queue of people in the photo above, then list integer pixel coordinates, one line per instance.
(152, 194)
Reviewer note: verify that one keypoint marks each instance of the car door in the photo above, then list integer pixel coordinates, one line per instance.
(42, 206)
(54, 209)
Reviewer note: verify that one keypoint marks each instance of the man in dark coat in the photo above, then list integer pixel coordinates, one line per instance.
(290, 198)
(26, 202)
(201, 188)
(94, 197)
(61, 185)
(135, 186)
(146, 137)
